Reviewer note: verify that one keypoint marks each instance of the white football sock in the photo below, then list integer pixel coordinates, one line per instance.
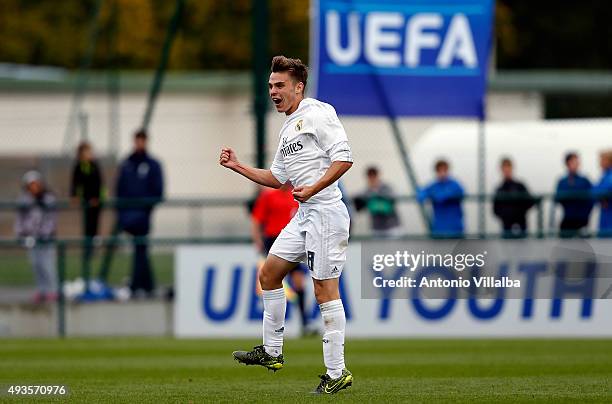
(275, 304)
(334, 322)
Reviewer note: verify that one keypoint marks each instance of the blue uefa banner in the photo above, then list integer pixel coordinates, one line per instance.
(402, 58)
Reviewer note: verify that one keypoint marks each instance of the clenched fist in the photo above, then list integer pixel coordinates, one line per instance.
(303, 193)
(228, 158)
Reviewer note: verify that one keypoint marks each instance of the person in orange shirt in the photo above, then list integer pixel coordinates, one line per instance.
(272, 210)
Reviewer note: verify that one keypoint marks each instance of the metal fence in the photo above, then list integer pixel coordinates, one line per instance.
(70, 249)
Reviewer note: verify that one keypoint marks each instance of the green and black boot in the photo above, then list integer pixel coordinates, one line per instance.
(331, 386)
(259, 356)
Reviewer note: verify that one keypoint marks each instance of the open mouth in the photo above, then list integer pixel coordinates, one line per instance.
(276, 101)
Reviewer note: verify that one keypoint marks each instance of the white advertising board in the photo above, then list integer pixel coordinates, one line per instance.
(215, 297)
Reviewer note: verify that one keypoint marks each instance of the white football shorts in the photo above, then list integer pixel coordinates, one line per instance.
(317, 235)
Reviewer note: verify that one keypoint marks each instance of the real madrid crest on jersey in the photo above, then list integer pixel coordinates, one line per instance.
(298, 126)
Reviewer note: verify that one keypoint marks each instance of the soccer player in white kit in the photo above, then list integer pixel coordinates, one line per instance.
(313, 153)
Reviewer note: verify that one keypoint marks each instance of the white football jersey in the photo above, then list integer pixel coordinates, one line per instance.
(311, 138)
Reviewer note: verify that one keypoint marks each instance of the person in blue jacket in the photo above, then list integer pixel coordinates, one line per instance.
(603, 193)
(574, 195)
(445, 194)
(140, 180)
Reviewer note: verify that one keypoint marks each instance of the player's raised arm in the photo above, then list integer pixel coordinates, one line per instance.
(261, 176)
(333, 173)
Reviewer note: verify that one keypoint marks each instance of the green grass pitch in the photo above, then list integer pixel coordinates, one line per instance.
(149, 370)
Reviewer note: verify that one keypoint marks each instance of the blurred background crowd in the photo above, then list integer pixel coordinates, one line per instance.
(79, 76)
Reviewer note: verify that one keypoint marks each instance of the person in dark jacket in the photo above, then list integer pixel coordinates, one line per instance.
(140, 179)
(379, 200)
(574, 195)
(603, 193)
(86, 190)
(445, 194)
(511, 203)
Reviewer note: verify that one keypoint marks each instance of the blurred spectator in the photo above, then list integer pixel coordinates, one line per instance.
(379, 200)
(511, 203)
(574, 195)
(86, 189)
(250, 203)
(36, 224)
(140, 178)
(272, 210)
(445, 194)
(603, 193)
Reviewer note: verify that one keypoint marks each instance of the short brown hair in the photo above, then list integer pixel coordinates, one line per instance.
(141, 133)
(569, 156)
(84, 145)
(440, 164)
(372, 171)
(297, 70)
(607, 155)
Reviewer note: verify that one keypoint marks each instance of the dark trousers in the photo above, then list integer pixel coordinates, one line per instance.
(571, 227)
(91, 218)
(142, 273)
